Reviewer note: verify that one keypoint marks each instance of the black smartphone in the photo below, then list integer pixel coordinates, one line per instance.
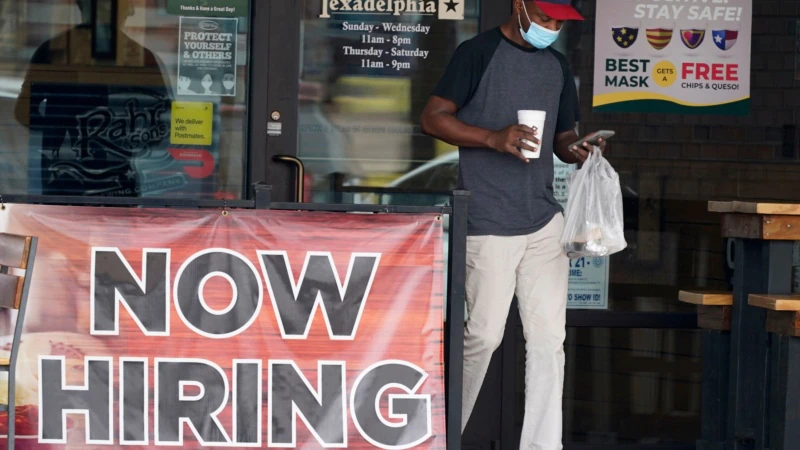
(593, 138)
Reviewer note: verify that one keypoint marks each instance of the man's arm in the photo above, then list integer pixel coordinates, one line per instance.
(562, 150)
(455, 90)
(568, 117)
(439, 121)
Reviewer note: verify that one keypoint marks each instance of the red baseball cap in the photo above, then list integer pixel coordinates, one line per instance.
(558, 9)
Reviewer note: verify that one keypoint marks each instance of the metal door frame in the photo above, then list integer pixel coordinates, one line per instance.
(274, 88)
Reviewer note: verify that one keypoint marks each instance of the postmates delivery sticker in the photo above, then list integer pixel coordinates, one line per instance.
(192, 123)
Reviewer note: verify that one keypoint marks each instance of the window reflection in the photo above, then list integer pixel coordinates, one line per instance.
(365, 79)
(91, 131)
(90, 108)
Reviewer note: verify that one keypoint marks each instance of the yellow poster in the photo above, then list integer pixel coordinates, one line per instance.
(192, 123)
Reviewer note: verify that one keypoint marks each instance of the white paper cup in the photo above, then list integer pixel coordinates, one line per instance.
(534, 119)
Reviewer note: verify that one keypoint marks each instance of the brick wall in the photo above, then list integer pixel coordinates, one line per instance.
(702, 158)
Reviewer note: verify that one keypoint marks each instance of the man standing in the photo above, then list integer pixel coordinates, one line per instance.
(514, 220)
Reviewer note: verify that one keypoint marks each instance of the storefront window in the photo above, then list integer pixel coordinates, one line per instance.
(123, 98)
(366, 74)
(632, 386)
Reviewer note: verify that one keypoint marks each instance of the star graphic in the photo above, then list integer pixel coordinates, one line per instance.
(619, 39)
(451, 5)
(624, 31)
(130, 174)
(718, 38)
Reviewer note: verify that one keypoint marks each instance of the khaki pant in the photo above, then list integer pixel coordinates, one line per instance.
(535, 269)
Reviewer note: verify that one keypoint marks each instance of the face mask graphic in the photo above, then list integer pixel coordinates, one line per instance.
(692, 38)
(725, 39)
(624, 37)
(659, 38)
(537, 35)
(228, 83)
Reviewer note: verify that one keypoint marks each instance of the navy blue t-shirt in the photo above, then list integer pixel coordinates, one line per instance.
(490, 78)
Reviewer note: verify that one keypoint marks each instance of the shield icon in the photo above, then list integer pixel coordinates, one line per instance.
(693, 37)
(624, 37)
(725, 39)
(659, 37)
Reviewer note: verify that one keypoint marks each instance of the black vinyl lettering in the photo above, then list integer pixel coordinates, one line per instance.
(319, 281)
(95, 398)
(415, 410)
(198, 412)
(325, 416)
(134, 401)
(246, 303)
(248, 403)
(148, 306)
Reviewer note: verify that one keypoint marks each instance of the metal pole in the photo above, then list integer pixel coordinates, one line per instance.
(454, 325)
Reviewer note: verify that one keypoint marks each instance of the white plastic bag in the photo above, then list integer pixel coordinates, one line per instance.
(594, 221)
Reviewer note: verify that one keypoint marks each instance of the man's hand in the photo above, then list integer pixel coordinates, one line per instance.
(582, 152)
(510, 140)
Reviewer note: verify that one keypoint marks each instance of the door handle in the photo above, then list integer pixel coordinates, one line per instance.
(299, 174)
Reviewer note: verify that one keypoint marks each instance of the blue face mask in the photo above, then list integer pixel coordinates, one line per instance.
(537, 35)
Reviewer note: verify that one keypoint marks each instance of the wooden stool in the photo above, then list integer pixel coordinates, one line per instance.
(714, 310)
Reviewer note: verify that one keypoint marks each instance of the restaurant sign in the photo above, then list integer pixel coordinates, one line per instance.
(246, 329)
(444, 9)
(673, 57)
